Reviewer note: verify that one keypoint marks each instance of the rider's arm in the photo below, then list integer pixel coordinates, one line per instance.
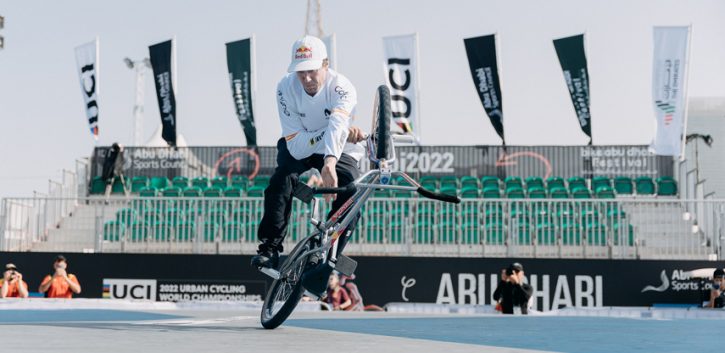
(345, 99)
(300, 142)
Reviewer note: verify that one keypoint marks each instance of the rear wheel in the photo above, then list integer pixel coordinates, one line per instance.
(286, 291)
(381, 123)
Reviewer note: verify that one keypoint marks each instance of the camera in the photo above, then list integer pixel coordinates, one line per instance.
(509, 271)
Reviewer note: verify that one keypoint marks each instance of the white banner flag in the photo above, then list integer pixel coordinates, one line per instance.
(401, 76)
(87, 61)
(668, 88)
(331, 44)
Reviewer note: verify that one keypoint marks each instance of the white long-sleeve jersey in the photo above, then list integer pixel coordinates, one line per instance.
(317, 124)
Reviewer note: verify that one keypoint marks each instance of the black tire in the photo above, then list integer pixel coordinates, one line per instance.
(291, 283)
(381, 123)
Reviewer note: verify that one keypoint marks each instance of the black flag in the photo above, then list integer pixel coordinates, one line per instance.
(239, 63)
(161, 65)
(481, 52)
(574, 63)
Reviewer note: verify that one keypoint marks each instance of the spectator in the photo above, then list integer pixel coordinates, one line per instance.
(512, 291)
(113, 168)
(60, 284)
(717, 294)
(336, 295)
(13, 285)
(355, 296)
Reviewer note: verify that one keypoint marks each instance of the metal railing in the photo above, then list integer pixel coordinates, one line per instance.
(553, 228)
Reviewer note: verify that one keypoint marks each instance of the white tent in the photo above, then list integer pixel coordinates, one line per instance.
(157, 141)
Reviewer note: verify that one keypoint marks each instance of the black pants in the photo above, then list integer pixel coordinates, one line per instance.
(278, 195)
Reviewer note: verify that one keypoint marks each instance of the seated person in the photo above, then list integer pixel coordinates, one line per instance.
(336, 295)
(13, 285)
(60, 284)
(717, 294)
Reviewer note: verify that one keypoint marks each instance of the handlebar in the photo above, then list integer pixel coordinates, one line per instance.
(438, 196)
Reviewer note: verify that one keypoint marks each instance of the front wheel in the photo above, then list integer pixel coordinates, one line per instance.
(286, 291)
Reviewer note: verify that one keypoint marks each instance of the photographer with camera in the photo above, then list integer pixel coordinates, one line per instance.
(512, 291)
(717, 294)
(60, 284)
(13, 285)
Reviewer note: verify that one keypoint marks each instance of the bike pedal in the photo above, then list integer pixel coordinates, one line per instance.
(345, 265)
(270, 272)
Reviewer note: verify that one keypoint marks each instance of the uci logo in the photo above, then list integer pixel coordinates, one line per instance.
(129, 289)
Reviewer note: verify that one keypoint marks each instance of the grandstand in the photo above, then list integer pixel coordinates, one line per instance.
(529, 213)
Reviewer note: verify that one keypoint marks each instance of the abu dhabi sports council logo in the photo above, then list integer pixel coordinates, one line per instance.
(303, 52)
(668, 109)
(662, 287)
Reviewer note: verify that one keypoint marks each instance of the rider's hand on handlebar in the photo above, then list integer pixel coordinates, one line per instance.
(356, 135)
(329, 176)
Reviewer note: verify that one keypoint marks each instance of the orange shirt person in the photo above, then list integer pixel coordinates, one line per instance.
(60, 284)
(12, 284)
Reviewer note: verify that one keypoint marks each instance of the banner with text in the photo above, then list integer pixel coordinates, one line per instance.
(668, 78)
(239, 63)
(573, 60)
(161, 57)
(87, 62)
(401, 76)
(481, 52)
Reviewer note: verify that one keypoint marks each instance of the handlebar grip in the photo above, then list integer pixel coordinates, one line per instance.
(350, 187)
(438, 196)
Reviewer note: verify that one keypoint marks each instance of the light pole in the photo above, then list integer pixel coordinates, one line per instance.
(139, 67)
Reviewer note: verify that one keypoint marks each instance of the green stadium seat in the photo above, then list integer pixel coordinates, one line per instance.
(644, 186)
(423, 231)
(450, 181)
(448, 189)
(161, 231)
(537, 193)
(623, 185)
(471, 233)
(581, 193)
(239, 181)
(534, 182)
(513, 181)
(490, 181)
(180, 182)
(139, 182)
(147, 192)
(515, 193)
(171, 192)
(447, 232)
(173, 216)
(210, 231)
(470, 193)
(666, 186)
(232, 232)
(117, 187)
(495, 233)
(596, 234)
(220, 182)
(159, 183)
(605, 192)
(256, 191)
(216, 216)
(545, 234)
(571, 234)
(576, 183)
(523, 234)
(559, 193)
(397, 229)
(233, 191)
(126, 216)
(98, 186)
(193, 191)
(615, 215)
(601, 182)
(138, 232)
(185, 231)
(555, 182)
(430, 185)
(200, 182)
(470, 181)
(623, 231)
(213, 192)
(113, 231)
(403, 194)
(261, 180)
(429, 179)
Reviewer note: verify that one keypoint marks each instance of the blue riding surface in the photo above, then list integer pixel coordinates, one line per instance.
(561, 334)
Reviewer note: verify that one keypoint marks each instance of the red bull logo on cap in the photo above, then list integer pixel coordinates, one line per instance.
(303, 52)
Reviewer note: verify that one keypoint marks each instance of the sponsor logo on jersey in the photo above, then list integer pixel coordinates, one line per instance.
(282, 103)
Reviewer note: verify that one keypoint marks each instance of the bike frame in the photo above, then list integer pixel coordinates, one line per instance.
(331, 230)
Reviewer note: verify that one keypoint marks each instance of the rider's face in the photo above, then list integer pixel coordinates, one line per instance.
(312, 80)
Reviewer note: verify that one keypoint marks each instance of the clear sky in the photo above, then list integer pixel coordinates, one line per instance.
(43, 126)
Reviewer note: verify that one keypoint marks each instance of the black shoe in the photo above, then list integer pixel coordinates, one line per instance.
(267, 258)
